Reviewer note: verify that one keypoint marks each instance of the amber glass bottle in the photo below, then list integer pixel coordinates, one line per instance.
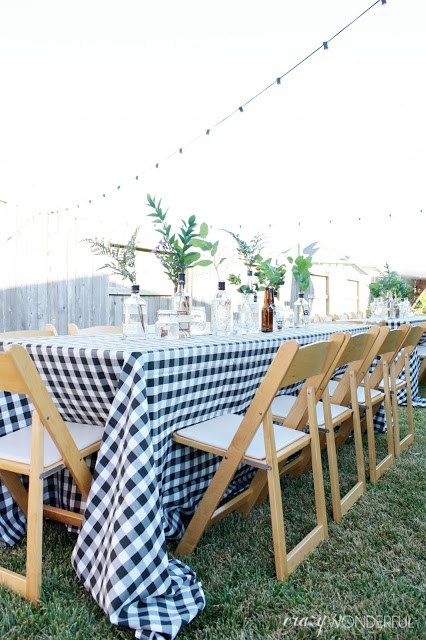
(268, 311)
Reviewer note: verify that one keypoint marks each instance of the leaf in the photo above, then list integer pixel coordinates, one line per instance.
(189, 258)
(203, 263)
(204, 229)
(201, 244)
(191, 220)
(214, 248)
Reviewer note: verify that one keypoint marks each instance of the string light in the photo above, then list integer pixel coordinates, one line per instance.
(277, 81)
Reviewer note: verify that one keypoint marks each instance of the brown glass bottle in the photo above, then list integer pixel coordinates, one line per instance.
(268, 311)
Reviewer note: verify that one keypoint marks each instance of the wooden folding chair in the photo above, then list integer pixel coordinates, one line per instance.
(396, 368)
(33, 453)
(421, 350)
(73, 330)
(330, 416)
(49, 330)
(371, 396)
(254, 440)
(292, 411)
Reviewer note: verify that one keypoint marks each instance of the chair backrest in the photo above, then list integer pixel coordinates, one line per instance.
(388, 352)
(310, 367)
(357, 353)
(292, 363)
(410, 343)
(49, 330)
(18, 374)
(73, 330)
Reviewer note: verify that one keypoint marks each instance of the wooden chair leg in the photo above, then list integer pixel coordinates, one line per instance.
(407, 441)
(388, 409)
(332, 459)
(317, 466)
(275, 502)
(35, 513)
(372, 458)
(395, 412)
(207, 506)
(359, 452)
(334, 476)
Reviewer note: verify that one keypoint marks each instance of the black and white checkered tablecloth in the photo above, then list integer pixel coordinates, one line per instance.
(144, 485)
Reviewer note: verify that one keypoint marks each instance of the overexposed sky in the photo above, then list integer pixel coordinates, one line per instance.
(94, 92)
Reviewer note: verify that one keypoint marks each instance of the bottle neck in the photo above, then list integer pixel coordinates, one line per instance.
(269, 296)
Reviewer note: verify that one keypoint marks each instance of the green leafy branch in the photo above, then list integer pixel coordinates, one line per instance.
(301, 271)
(391, 283)
(123, 259)
(248, 252)
(269, 275)
(175, 250)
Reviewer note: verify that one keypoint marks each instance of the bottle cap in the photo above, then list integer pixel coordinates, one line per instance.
(221, 285)
(135, 288)
(181, 278)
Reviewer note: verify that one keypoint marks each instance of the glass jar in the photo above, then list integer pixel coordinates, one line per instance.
(167, 326)
(134, 314)
(198, 321)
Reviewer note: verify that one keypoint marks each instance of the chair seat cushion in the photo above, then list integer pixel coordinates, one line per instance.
(218, 432)
(332, 385)
(282, 405)
(16, 446)
(399, 384)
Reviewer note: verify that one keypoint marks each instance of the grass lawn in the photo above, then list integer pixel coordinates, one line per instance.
(372, 566)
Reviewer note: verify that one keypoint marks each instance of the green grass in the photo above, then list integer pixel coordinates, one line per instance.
(372, 565)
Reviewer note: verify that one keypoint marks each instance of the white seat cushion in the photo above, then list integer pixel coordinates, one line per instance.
(16, 446)
(421, 350)
(218, 432)
(399, 384)
(281, 406)
(332, 385)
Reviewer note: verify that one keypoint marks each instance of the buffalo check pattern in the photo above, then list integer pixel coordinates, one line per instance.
(145, 486)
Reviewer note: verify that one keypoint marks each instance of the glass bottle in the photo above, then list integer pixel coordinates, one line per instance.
(134, 314)
(221, 311)
(268, 311)
(182, 308)
(301, 311)
(254, 313)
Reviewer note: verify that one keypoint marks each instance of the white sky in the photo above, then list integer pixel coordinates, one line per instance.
(92, 92)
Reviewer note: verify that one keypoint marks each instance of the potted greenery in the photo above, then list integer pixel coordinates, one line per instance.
(122, 257)
(392, 289)
(300, 269)
(123, 263)
(176, 248)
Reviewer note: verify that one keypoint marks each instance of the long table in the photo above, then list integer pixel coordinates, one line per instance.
(145, 486)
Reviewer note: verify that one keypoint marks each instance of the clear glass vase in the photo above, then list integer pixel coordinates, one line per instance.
(134, 314)
(301, 311)
(221, 311)
(182, 307)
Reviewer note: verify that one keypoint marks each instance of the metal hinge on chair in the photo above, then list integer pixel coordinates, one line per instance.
(320, 429)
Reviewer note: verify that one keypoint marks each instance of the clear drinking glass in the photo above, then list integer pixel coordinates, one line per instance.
(198, 322)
